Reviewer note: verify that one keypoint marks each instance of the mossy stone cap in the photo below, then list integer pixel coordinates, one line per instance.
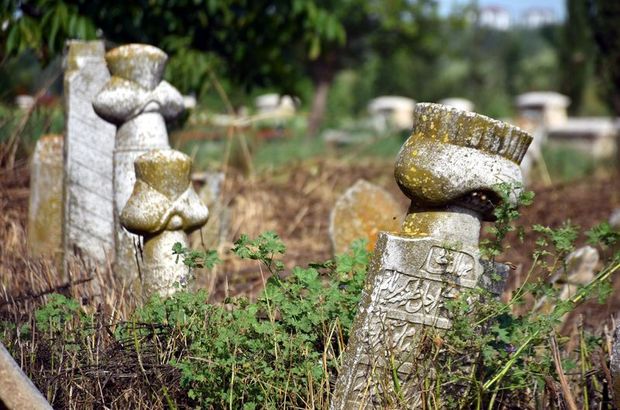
(141, 63)
(163, 197)
(453, 153)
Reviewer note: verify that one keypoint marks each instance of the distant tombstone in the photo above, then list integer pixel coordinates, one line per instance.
(275, 104)
(163, 209)
(361, 212)
(138, 102)
(458, 103)
(580, 269)
(541, 108)
(89, 142)
(392, 111)
(449, 167)
(215, 230)
(45, 207)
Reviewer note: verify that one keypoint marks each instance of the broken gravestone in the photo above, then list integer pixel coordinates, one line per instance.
(45, 207)
(88, 145)
(138, 102)
(361, 212)
(16, 390)
(449, 168)
(163, 208)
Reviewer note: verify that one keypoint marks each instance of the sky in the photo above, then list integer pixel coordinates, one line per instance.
(514, 7)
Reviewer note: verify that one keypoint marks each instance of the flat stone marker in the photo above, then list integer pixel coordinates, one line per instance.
(362, 211)
(448, 168)
(163, 208)
(89, 142)
(45, 207)
(138, 102)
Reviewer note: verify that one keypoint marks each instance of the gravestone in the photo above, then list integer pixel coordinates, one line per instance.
(88, 145)
(449, 168)
(361, 212)
(138, 102)
(210, 193)
(16, 389)
(45, 207)
(580, 270)
(163, 208)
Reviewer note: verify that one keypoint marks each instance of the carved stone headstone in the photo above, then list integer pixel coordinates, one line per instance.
(163, 208)
(138, 102)
(363, 211)
(449, 168)
(89, 142)
(45, 208)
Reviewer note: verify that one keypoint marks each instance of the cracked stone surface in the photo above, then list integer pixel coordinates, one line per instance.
(448, 167)
(163, 209)
(139, 103)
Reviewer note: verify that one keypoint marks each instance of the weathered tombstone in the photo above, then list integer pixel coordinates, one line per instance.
(580, 270)
(210, 193)
(163, 209)
(16, 389)
(361, 212)
(45, 207)
(449, 168)
(138, 102)
(89, 141)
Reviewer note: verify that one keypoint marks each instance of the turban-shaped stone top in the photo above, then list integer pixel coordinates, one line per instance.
(163, 197)
(136, 85)
(452, 154)
(141, 63)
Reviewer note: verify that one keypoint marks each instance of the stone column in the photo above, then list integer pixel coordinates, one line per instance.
(138, 102)
(163, 208)
(89, 141)
(449, 168)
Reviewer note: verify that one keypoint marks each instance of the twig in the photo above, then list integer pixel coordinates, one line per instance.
(568, 396)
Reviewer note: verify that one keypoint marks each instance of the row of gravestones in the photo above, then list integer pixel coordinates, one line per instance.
(120, 195)
(449, 168)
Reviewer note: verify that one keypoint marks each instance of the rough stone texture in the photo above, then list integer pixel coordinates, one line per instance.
(448, 168)
(138, 102)
(17, 392)
(163, 208)
(363, 211)
(45, 207)
(89, 142)
(580, 267)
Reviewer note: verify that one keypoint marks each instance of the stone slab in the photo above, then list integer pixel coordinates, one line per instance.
(362, 211)
(45, 207)
(89, 143)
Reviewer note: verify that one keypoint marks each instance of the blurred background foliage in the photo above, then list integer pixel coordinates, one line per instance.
(334, 56)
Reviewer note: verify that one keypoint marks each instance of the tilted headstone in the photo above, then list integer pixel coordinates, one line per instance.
(89, 142)
(449, 168)
(45, 207)
(138, 102)
(16, 389)
(163, 209)
(362, 211)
